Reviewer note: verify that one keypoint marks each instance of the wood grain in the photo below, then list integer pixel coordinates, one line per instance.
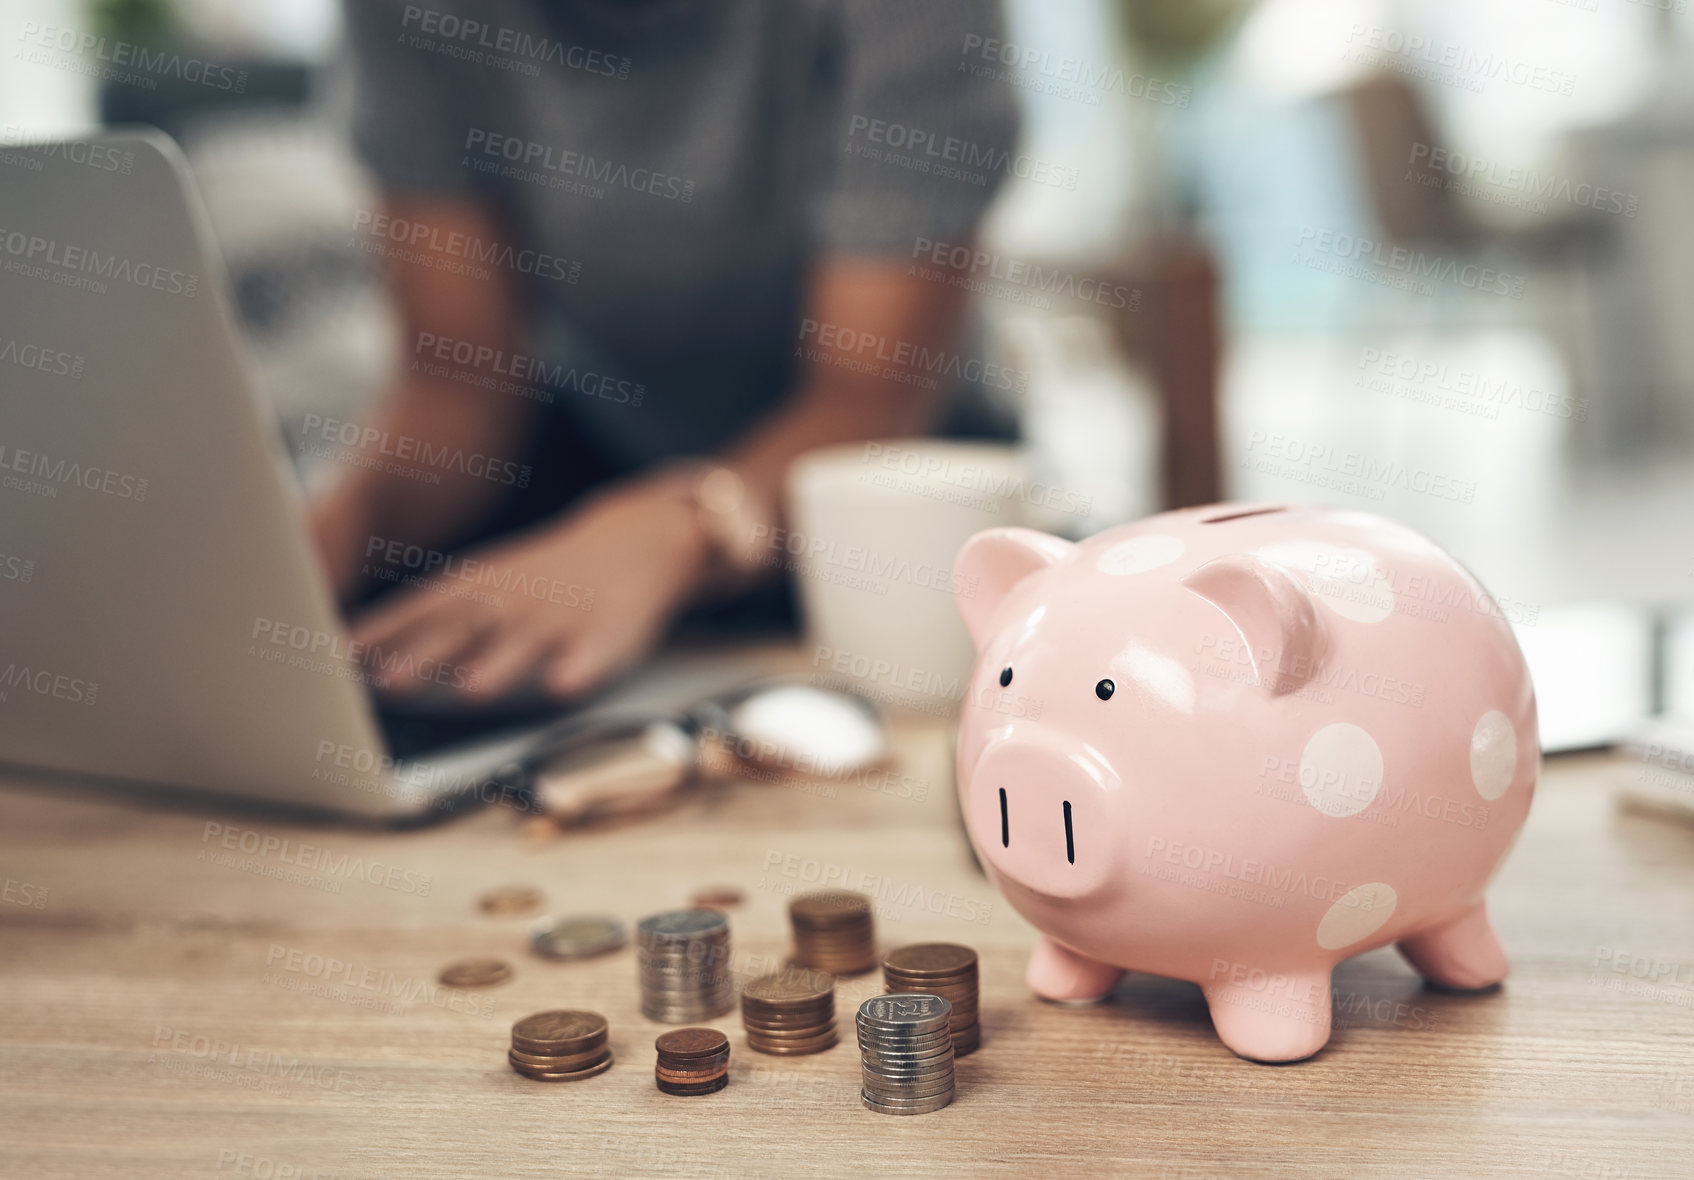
(370, 1069)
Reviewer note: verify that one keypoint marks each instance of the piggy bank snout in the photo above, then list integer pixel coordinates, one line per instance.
(1041, 813)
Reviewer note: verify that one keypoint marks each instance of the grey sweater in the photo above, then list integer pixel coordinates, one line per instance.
(665, 172)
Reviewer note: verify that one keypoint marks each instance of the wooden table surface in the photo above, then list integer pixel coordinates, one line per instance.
(176, 1009)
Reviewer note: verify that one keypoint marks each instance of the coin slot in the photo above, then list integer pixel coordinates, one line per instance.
(1242, 515)
(1070, 840)
(1005, 823)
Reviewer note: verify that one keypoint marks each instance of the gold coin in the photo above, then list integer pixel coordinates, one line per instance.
(691, 1043)
(790, 989)
(717, 897)
(931, 960)
(711, 1087)
(475, 973)
(563, 1061)
(509, 900)
(795, 1047)
(544, 1075)
(558, 1032)
(686, 1076)
(830, 909)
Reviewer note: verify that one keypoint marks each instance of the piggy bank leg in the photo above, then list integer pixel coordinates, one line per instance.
(1286, 1020)
(1056, 973)
(1464, 953)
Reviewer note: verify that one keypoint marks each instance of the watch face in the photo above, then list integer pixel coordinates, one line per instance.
(729, 519)
(721, 492)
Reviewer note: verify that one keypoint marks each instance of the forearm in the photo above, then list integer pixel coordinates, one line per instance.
(381, 491)
(824, 414)
(431, 504)
(855, 303)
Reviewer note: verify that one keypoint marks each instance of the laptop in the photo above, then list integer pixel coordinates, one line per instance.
(163, 617)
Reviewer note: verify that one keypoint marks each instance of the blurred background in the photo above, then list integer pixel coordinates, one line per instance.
(1427, 259)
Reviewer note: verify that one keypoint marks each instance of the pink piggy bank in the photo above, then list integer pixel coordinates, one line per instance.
(1238, 744)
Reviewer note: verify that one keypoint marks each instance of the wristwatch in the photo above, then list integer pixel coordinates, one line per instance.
(734, 520)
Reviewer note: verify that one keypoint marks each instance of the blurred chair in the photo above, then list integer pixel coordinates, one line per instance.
(1175, 332)
(1616, 303)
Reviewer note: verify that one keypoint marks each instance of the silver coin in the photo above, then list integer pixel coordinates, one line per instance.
(897, 1072)
(890, 1064)
(903, 1043)
(900, 1010)
(922, 1049)
(942, 1094)
(932, 1037)
(905, 1082)
(682, 966)
(577, 936)
(906, 1073)
(933, 1053)
(915, 1093)
(902, 1032)
(683, 1013)
(882, 1061)
(940, 1053)
(682, 924)
(926, 1107)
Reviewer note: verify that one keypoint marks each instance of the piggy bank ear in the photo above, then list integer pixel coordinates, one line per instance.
(994, 561)
(1273, 614)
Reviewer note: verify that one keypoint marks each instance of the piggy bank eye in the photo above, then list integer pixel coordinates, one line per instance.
(1005, 676)
(1105, 689)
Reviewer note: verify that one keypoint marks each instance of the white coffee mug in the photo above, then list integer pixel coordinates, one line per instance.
(873, 531)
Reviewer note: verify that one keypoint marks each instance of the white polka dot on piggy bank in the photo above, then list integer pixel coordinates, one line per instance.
(1237, 745)
(1140, 554)
(1493, 754)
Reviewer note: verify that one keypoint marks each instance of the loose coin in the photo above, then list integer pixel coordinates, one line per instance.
(475, 973)
(718, 897)
(511, 901)
(577, 936)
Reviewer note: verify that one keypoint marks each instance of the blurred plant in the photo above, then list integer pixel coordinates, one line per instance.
(140, 21)
(1176, 34)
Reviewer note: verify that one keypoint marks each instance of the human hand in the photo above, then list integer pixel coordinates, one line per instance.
(566, 605)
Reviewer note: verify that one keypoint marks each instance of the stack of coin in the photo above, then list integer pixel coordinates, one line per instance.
(789, 1014)
(560, 1046)
(906, 1053)
(692, 1061)
(942, 969)
(833, 932)
(683, 964)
